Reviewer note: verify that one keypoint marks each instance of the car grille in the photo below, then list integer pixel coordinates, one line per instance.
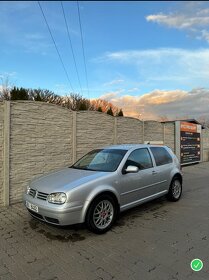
(39, 195)
(42, 195)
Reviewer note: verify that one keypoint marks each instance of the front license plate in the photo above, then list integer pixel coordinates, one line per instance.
(32, 206)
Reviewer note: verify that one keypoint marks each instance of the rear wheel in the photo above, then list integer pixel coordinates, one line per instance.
(175, 189)
(101, 214)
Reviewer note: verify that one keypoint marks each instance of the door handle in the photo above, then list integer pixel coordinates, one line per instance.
(154, 172)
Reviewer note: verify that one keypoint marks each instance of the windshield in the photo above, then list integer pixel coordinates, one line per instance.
(106, 160)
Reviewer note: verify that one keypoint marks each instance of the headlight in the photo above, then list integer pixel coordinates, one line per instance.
(57, 198)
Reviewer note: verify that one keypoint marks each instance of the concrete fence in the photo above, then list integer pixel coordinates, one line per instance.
(205, 144)
(37, 137)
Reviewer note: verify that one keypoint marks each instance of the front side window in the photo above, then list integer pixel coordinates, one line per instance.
(140, 158)
(106, 160)
(161, 155)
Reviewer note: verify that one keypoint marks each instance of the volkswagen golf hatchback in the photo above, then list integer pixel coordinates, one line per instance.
(103, 183)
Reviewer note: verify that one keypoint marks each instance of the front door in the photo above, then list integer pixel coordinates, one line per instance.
(136, 186)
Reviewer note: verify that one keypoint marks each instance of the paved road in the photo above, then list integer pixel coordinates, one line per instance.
(155, 241)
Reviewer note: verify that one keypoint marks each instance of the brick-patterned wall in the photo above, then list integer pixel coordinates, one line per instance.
(1, 151)
(153, 131)
(40, 141)
(94, 130)
(169, 135)
(129, 130)
(205, 142)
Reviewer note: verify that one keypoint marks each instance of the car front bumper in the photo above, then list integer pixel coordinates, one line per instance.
(53, 213)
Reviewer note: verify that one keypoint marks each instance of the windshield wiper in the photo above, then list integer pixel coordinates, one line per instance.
(81, 168)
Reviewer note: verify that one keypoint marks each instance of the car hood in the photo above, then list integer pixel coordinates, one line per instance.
(65, 179)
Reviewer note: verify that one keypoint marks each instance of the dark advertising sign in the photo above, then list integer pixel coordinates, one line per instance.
(190, 142)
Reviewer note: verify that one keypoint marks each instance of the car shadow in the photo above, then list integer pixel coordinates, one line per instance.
(78, 232)
(155, 207)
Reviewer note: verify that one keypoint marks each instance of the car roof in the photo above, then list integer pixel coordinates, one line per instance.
(130, 146)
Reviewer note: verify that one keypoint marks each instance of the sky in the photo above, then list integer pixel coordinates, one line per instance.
(150, 58)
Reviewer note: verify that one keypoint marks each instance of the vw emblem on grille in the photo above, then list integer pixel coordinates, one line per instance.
(34, 193)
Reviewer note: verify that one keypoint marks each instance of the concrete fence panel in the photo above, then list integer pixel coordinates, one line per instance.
(129, 130)
(153, 131)
(40, 141)
(93, 130)
(169, 135)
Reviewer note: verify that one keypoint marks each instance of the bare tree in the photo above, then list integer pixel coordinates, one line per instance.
(45, 96)
(204, 120)
(76, 102)
(5, 88)
(73, 101)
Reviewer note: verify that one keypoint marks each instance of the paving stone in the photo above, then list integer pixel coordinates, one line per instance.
(154, 241)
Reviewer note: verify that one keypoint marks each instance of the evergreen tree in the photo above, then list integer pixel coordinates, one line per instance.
(120, 114)
(110, 112)
(19, 94)
(82, 106)
(99, 109)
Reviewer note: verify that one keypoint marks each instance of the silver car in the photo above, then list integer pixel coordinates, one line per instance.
(103, 183)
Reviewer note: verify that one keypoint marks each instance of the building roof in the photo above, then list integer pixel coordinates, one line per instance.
(186, 120)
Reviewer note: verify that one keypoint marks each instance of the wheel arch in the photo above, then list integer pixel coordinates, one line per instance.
(97, 194)
(177, 175)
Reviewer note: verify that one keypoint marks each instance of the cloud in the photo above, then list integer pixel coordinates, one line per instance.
(158, 103)
(136, 56)
(204, 35)
(133, 89)
(180, 66)
(114, 82)
(162, 68)
(111, 95)
(6, 75)
(192, 17)
(180, 21)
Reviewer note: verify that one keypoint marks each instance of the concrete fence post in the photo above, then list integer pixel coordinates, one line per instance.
(115, 131)
(201, 146)
(164, 135)
(6, 152)
(143, 131)
(74, 135)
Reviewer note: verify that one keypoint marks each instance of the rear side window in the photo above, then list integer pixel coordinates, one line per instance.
(161, 155)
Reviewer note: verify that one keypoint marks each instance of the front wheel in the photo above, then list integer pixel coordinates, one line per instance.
(101, 214)
(175, 190)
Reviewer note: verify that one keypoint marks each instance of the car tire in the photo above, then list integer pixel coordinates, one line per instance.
(101, 214)
(175, 190)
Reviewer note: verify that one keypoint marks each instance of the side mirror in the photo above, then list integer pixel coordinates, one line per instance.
(131, 169)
